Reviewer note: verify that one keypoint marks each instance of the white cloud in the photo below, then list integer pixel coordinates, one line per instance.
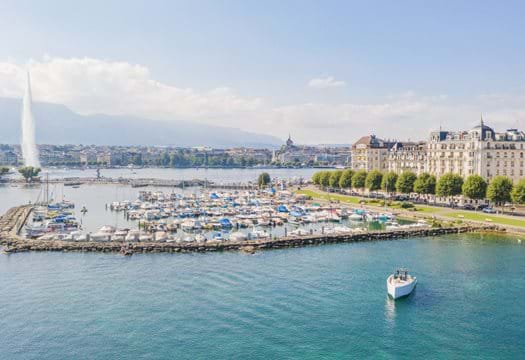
(119, 88)
(324, 83)
(98, 86)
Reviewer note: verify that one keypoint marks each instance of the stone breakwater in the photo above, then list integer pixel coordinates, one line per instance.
(15, 243)
(13, 220)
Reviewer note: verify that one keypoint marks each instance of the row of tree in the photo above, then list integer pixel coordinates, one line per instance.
(499, 190)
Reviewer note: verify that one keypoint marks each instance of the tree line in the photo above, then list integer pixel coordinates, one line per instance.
(499, 190)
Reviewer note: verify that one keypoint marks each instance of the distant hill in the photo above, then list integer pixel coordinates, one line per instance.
(56, 124)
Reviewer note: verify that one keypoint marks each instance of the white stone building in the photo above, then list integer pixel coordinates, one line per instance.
(481, 151)
(370, 153)
(408, 156)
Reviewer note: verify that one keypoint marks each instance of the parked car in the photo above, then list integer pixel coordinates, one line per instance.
(489, 210)
(401, 198)
(468, 207)
(481, 206)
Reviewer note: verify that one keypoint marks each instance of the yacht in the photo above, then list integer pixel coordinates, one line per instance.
(400, 284)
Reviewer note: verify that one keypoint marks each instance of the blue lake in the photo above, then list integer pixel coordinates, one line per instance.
(326, 302)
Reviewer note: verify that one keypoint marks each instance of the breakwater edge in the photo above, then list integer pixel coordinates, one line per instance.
(12, 221)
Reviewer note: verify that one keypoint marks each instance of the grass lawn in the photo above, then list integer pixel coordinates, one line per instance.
(483, 217)
(371, 202)
(326, 196)
(428, 209)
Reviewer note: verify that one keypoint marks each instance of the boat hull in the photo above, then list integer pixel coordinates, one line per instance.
(398, 291)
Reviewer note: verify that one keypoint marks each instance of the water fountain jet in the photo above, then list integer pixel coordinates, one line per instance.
(29, 148)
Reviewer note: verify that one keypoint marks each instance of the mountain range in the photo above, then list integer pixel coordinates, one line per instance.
(57, 124)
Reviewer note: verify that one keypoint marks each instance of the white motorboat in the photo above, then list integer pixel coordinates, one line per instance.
(355, 217)
(133, 235)
(400, 284)
(160, 236)
(200, 238)
(238, 236)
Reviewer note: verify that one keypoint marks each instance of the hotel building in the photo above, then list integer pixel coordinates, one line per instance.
(480, 150)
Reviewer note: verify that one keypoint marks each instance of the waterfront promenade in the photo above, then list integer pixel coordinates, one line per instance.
(515, 224)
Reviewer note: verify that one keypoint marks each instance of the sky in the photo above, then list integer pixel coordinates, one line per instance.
(324, 71)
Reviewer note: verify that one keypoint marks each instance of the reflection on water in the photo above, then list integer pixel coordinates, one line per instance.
(390, 310)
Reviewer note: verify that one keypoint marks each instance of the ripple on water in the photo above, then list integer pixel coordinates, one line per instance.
(316, 302)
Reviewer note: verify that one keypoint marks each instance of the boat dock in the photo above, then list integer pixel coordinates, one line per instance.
(14, 220)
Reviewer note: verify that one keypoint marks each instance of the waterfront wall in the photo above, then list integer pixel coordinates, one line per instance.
(17, 244)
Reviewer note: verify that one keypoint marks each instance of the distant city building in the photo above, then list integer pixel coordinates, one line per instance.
(307, 155)
(114, 156)
(8, 157)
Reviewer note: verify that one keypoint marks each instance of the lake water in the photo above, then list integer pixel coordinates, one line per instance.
(325, 302)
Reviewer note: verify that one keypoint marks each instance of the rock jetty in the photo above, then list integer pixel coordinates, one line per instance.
(13, 220)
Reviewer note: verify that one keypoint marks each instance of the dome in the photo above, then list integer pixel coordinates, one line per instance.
(483, 131)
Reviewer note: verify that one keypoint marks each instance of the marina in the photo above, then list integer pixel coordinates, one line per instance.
(208, 215)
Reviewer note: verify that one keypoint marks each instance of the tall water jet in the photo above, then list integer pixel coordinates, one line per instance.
(29, 149)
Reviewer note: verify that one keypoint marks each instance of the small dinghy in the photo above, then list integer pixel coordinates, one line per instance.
(400, 284)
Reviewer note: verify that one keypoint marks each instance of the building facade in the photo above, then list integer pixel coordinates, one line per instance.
(370, 153)
(480, 151)
(408, 156)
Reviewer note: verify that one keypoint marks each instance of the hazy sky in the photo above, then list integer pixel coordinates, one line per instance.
(326, 71)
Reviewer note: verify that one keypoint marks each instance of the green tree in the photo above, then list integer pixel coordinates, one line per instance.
(29, 172)
(3, 170)
(499, 190)
(359, 179)
(475, 187)
(264, 179)
(373, 180)
(425, 184)
(449, 185)
(325, 178)
(388, 182)
(345, 182)
(165, 159)
(405, 182)
(335, 176)
(518, 192)
(316, 178)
